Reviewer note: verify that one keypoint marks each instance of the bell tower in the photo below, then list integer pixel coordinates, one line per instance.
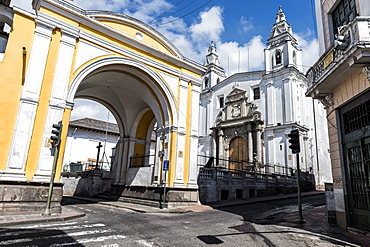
(282, 48)
(215, 73)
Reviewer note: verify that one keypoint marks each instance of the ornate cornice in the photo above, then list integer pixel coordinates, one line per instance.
(326, 100)
(366, 70)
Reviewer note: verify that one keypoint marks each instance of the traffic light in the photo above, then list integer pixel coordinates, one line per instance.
(294, 141)
(56, 131)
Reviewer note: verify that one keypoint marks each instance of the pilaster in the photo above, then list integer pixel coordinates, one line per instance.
(29, 101)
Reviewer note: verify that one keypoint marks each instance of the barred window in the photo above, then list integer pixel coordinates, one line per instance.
(344, 13)
(357, 118)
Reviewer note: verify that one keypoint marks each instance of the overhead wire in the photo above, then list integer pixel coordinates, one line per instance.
(167, 11)
(184, 15)
(183, 8)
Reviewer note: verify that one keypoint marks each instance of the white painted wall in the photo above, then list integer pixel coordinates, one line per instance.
(81, 145)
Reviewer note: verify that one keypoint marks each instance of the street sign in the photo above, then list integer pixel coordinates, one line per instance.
(166, 165)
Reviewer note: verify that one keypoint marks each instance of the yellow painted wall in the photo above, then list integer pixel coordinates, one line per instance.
(126, 29)
(59, 16)
(129, 30)
(63, 141)
(43, 105)
(11, 71)
(350, 87)
(142, 131)
(124, 45)
(173, 143)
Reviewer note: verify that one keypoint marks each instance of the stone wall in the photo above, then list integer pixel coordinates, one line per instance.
(153, 196)
(87, 184)
(217, 184)
(28, 197)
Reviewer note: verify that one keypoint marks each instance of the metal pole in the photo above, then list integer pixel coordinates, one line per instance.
(97, 158)
(164, 189)
(48, 202)
(300, 216)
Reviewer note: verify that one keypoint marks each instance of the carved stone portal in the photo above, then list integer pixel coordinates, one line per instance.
(238, 132)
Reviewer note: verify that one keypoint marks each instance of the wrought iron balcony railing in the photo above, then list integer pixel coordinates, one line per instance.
(351, 49)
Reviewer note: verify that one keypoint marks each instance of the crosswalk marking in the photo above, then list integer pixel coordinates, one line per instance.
(50, 225)
(84, 241)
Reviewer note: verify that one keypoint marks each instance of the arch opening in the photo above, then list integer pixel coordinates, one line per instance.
(139, 102)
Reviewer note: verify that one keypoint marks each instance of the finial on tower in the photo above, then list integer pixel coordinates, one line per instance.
(212, 48)
(280, 16)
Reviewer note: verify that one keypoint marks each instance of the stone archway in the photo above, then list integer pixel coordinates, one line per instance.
(137, 97)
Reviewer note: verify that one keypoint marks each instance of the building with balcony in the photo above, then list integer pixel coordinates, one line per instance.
(341, 80)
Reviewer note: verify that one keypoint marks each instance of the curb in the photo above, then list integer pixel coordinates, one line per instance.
(42, 219)
(257, 200)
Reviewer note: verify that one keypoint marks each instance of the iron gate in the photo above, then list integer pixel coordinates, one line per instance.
(356, 126)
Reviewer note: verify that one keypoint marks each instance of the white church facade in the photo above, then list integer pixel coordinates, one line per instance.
(245, 118)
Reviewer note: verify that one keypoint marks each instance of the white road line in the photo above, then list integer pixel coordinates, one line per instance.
(145, 243)
(16, 241)
(49, 225)
(17, 233)
(63, 228)
(88, 240)
(24, 240)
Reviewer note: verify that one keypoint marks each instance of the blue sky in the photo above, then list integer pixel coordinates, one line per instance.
(237, 27)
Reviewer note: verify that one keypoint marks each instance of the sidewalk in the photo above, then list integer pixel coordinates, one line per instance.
(68, 213)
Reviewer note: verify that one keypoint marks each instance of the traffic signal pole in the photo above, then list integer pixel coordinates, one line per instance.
(300, 215)
(56, 139)
(296, 149)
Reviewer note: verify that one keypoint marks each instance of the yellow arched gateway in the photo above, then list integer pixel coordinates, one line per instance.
(63, 52)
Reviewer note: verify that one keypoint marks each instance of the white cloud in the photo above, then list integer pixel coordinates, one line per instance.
(87, 108)
(210, 26)
(235, 57)
(245, 25)
(310, 49)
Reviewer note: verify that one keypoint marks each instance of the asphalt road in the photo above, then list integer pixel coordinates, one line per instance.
(244, 225)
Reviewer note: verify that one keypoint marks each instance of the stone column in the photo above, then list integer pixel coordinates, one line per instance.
(250, 144)
(259, 143)
(194, 135)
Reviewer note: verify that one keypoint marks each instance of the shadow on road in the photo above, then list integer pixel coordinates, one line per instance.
(34, 237)
(278, 221)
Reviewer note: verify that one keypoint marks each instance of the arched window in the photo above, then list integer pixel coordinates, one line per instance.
(294, 58)
(218, 80)
(278, 57)
(205, 82)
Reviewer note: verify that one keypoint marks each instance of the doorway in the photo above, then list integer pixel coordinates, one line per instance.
(238, 153)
